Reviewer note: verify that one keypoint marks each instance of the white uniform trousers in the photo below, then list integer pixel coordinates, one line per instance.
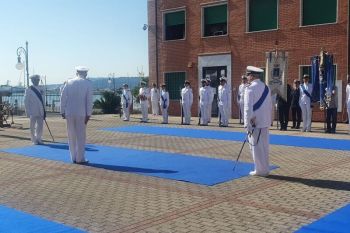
(76, 128)
(144, 110)
(204, 113)
(223, 109)
(210, 105)
(306, 112)
(165, 115)
(126, 112)
(259, 145)
(36, 128)
(186, 108)
(155, 107)
(349, 115)
(241, 111)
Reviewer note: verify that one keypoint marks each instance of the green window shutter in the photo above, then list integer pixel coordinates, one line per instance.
(319, 12)
(262, 15)
(175, 82)
(215, 14)
(262, 75)
(305, 70)
(175, 18)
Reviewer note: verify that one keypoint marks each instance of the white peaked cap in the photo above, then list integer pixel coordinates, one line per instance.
(253, 69)
(81, 68)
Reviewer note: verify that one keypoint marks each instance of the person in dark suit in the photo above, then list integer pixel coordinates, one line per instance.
(296, 110)
(283, 105)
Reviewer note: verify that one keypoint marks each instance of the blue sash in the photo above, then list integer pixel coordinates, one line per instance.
(38, 94)
(164, 102)
(306, 92)
(258, 104)
(126, 101)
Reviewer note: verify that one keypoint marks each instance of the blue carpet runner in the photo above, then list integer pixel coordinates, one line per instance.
(335, 222)
(194, 169)
(14, 221)
(283, 140)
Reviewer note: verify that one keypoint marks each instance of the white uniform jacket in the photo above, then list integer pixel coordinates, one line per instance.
(204, 94)
(155, 95)
(241, 90)
(164, 99)
(261, 118)
(144, 91)
(76, 97)
(126, 97)
(32, 103)
(224, 95)
(347, 99)
(304, 99)
(187, 96)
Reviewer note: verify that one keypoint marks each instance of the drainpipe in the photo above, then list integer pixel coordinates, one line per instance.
(156, 35)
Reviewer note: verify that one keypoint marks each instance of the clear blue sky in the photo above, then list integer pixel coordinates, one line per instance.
(105, 35)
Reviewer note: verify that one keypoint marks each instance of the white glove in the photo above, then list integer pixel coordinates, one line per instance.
(250, 129)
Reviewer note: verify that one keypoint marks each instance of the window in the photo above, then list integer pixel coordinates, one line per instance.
(262, 76)
(174, 25)
(175, 82)
(306, 69)
(262, 15)
(215, 20)
(319, 12)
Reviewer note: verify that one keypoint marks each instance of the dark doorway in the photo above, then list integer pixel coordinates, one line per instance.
(214, 72)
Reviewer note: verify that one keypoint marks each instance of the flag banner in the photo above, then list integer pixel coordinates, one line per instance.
(276, 72)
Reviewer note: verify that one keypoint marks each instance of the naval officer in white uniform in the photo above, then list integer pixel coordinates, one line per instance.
(186, 102)
(76, 108)
(305, 103)
(35, 110)
(257, 120)
(126, 102)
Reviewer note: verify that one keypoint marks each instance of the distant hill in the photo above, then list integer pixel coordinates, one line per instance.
(101, 83)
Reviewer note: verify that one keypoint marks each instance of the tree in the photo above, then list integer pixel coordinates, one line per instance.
(109, 102)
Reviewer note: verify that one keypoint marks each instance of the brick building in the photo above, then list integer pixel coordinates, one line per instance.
(189, 39)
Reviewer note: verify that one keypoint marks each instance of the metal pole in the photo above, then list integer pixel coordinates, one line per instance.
(27, 66)
(156, 35)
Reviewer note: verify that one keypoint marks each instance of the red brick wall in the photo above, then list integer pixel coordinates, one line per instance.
(246, 48)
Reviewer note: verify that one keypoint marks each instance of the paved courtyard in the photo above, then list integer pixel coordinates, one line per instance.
(308, 184)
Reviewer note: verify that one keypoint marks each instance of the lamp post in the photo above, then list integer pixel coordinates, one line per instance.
(20, 65)
(110, 78)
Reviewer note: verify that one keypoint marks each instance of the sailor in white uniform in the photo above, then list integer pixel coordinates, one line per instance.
(257, 120)
(186, 101)
(144, 96)
(240, 96)
(347, 99)
(223, 102)
(35, 110)
(204, 97)
(164, 103)
(211, 91)
(305, 103)
(126, 102)
(76, 108)
(155, 100)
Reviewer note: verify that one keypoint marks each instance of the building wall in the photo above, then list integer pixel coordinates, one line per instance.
(246, 48)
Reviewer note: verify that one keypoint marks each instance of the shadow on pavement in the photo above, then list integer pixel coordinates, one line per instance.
(328, 184)
(128, 169)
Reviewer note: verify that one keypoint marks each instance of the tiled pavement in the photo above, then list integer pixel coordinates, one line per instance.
(308, 184)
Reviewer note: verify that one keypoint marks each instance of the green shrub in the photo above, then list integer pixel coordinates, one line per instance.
(108, 103)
